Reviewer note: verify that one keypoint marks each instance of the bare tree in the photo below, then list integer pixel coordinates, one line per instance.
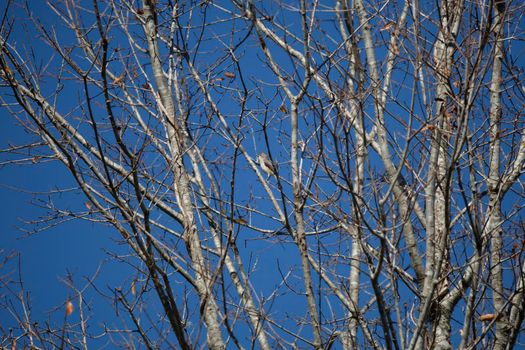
(379, 145)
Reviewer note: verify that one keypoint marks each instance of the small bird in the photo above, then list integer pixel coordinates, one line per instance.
(266, 164)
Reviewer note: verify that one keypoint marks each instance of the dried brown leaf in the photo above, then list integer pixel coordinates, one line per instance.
(487, 317)
(387, 26)
(69, 308)
(428, 127)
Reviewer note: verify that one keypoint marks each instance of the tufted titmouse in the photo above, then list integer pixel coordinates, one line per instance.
(266, 164)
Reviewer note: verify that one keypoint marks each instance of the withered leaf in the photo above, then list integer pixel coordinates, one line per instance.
(487, 317)
(69, 308)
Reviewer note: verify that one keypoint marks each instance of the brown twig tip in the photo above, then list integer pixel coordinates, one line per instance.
(120, 79)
